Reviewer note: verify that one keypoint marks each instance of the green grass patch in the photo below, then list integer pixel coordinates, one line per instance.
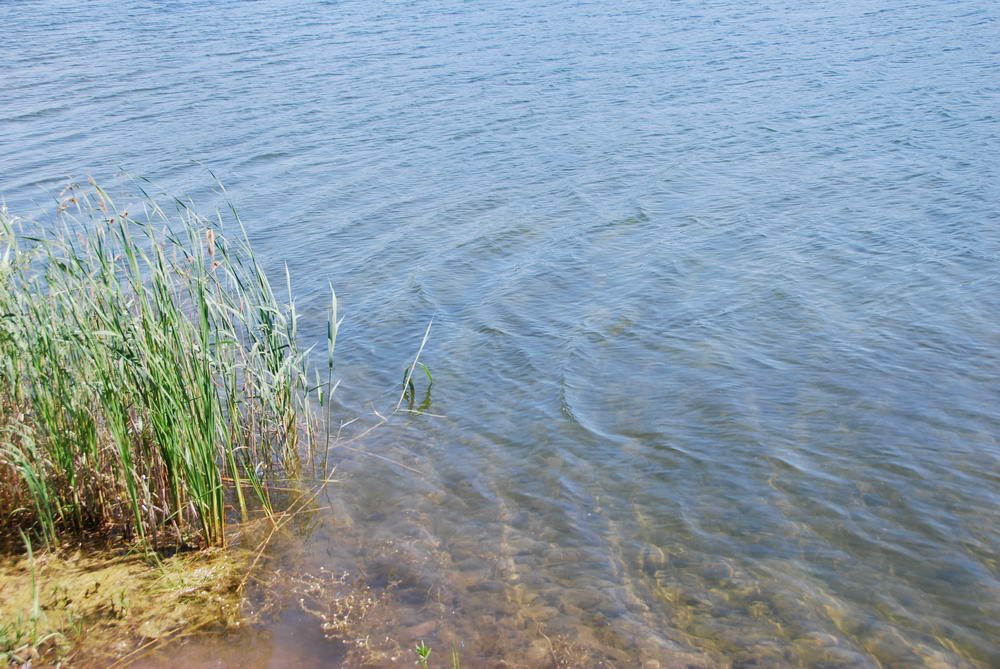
(152, 387)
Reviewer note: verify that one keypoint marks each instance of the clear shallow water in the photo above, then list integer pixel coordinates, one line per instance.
(716, 298)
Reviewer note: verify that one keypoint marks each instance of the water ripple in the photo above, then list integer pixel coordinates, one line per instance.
(715, 287)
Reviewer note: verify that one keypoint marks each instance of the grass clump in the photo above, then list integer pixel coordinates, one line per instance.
(151, 385)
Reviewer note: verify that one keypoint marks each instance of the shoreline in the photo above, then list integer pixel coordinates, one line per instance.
(100, 607)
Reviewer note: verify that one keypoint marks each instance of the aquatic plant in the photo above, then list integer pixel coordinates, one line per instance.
(151, 383)
(410, 390)
(423, 652)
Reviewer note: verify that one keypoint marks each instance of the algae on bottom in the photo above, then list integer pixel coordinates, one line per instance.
(92, 608)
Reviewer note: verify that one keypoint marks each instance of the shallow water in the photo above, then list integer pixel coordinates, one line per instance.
(715, 290)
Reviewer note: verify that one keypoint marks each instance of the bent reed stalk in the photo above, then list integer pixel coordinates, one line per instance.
(151, 384)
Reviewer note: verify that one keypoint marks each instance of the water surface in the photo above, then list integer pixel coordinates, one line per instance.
(715, 289)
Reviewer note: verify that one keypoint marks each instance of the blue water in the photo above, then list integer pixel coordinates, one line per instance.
(715, 286)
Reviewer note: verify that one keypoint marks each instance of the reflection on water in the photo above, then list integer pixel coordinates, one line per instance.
(716, 299)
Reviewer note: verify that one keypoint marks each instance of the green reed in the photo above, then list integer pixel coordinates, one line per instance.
(150, 380)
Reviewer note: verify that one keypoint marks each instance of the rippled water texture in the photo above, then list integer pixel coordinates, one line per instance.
(716, 297)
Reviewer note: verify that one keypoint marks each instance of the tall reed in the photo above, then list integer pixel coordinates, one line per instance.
(151, 383)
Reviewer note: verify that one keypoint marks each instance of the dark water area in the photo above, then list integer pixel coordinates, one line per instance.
(715, 288)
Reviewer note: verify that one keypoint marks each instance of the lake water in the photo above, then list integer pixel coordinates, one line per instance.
(715, 288)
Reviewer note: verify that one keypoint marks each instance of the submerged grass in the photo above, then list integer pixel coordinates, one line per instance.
(151, 385)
